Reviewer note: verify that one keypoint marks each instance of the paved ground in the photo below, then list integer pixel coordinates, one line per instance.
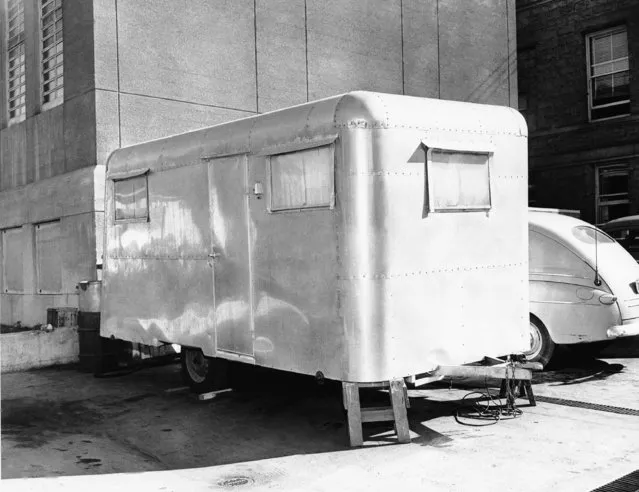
(284, 432)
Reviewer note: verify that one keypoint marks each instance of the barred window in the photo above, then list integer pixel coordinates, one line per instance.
(52, 57)
(16, 61)
(608, 74)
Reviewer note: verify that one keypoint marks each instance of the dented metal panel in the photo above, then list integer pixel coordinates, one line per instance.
(368, 290)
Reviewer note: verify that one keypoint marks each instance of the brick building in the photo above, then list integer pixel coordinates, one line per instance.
(81, 78)
(578, 66)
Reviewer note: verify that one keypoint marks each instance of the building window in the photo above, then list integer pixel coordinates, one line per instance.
(612, 193)
(608, 75)
(457, 181)
(52, 56)
(302, 179)
(12, 260)
(48, 249)
(16, 61)
(131, 199)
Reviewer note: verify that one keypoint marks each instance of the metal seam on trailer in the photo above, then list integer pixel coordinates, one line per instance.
(430, 272)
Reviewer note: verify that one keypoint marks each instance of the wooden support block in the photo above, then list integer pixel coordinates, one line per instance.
(212, 394)
(377, 414)
(398, 400)
(353, 412)
(175, 390)
(496, 371)
(529, 393)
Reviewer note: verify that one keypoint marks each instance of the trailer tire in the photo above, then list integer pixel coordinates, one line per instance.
(542, 347)
(201, 373)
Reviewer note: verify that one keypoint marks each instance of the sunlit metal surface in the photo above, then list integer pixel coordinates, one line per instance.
(366, 291)
(563, 293)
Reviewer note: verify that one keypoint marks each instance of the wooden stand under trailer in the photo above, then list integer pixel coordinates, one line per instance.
(396, 412)
(515, 379)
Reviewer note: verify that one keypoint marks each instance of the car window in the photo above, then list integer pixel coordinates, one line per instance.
(547, 256)
(586, 234)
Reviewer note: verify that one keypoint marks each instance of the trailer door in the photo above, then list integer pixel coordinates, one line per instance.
(229, 256)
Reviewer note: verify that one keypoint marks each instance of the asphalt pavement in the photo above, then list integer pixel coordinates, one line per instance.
(63, 429)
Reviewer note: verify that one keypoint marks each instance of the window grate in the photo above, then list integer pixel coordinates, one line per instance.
(16, 65)
(16, 78)
(52, 55)
(15, 20)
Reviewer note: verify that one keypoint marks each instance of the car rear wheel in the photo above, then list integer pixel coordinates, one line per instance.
(203, 374)
(541, 345)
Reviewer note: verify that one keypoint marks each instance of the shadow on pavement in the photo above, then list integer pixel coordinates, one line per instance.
(577, 365)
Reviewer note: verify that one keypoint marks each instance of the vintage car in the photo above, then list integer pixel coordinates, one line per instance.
(584, 287)
(625, 231)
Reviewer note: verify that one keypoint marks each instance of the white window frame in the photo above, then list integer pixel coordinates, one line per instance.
(57, 45)
(331, 203)
(486, 150)
(16, 83)
(610, 199)
(591, 76)
(147, 215)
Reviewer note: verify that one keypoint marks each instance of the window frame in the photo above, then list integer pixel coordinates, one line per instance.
(128, 220)
(38, 226)
(619, 198)
(429, 205)
(15, 42)
(59, 47)
(590, 76)
(10, 230)
(269, 178)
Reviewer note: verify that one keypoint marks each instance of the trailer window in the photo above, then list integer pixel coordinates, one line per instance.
(457, 181)
(302, 179)
(131, 199)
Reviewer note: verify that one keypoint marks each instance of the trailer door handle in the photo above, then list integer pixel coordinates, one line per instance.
(212, 257)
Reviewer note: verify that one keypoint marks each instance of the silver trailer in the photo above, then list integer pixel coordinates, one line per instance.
(366, 237)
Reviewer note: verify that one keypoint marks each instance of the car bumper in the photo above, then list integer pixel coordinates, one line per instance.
(624, 330)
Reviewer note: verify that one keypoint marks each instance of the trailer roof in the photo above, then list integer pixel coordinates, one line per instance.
(318, 120)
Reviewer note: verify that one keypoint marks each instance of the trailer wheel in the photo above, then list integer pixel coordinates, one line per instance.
(203, 374)
(541, 345)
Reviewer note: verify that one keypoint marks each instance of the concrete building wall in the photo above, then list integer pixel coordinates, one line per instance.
(566, 149)
(48, 171)
(136, 70)
(174, 68)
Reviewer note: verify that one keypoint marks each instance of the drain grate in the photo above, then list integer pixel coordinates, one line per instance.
(627, 483)
(589, 406)
(234, 481)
